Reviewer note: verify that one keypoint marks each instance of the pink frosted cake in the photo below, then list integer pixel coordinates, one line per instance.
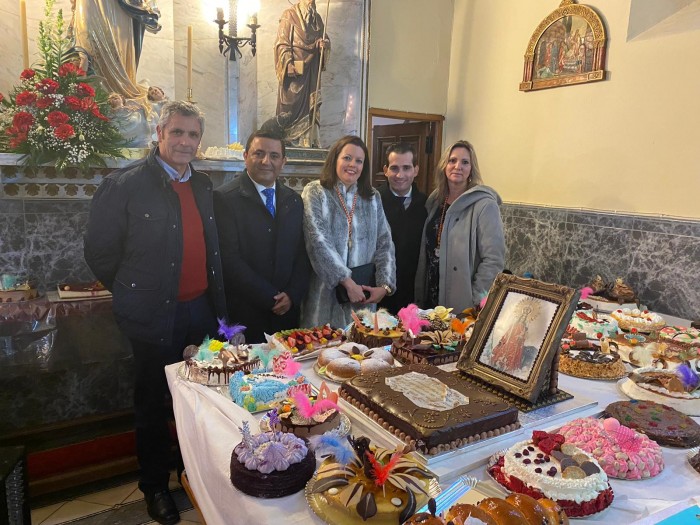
(622, 452)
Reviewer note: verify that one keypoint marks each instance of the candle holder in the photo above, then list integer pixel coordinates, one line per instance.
(189, 96)
(230, 45)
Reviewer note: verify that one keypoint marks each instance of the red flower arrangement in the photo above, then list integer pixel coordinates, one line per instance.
(54, 114)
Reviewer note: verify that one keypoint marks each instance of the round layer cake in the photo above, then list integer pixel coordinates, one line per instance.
(291, 420)
(661, 386)
(622, 452)
(351, 359)
(591, 364)
(594, 326)
(681, 334)
(643, 320)
(546, 466)
(663, 424)
(213, 362)
(272, 465)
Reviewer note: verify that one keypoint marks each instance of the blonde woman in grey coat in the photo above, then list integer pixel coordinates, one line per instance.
(463, 247)
(345, 227)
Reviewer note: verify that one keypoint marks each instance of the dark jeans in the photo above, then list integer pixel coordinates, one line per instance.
(193, 321)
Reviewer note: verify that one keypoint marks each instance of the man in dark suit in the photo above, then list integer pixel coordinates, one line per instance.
(266, 269)
(404, 207)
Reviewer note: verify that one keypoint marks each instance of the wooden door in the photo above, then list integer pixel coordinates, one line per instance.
(421, 135)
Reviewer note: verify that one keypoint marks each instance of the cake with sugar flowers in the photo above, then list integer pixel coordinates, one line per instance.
(621, 451)
(271, 464)
(548, 466)
(363, 482)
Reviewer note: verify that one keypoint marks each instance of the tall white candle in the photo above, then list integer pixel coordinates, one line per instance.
(25, 37)
(189, 57)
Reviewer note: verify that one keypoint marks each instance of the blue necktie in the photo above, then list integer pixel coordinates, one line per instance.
(270, 200)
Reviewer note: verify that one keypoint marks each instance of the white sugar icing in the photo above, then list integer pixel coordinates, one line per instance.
(271, 451)
(554, 487)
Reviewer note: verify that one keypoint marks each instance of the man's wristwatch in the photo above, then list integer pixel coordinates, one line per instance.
(387, 288)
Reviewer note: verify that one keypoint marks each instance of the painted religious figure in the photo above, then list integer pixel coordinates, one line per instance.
(518, 334)
(565, 48)
(300, 53)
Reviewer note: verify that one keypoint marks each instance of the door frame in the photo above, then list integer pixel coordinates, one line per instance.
(438, 120)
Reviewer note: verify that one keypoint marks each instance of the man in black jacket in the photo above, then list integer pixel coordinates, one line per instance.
(266, 269)
(152, 241)
(404, 207)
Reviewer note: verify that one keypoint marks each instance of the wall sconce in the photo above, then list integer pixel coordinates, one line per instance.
(231, 44)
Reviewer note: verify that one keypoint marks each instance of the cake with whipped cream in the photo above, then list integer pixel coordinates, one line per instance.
(595, 326)
(590, 363)
(271, 464)
(261, 390)
(214, 362)
(678, 388)
(622, 452)
(642, 320)
(548, 466)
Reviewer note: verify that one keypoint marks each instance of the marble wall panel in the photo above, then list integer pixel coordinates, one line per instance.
(659, 258)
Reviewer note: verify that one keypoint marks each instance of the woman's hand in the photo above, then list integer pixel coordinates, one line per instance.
(376, 293)
(356, 293)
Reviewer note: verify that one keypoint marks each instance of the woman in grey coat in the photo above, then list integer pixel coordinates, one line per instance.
(345, 227)
(463, 247)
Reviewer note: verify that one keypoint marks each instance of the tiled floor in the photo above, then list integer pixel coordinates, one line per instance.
(120, 505)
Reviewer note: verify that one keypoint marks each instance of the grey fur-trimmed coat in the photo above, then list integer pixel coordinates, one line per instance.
(326, 234)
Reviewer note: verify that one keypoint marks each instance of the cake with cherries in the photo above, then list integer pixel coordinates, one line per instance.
(665, 425)
(368, 484)
(642, 320)
(301, 341)
(678, 388)
(622, 452)
(351, 359)
(547, 466)
(430, 409)
(271, 464)
(595, 326)
(374, 329)
(590, 363)
(515, 508)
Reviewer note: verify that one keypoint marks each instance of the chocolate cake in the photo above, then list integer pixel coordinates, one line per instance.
(695, 462)
(433, 348)
(663, 424)
(432, 410)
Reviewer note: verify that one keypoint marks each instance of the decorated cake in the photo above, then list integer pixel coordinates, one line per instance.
(516, 508)
(595, 326)
(271, 464)
(681, 334)
(14, 290)
(351, 359)
(305, 415)
(695, 461)
(362, 483)
(82, 290)
(643, 320)
(213, 362)
(262, 390)
(663, 424)
(548, 466)
(590, 363)
(430, 409)
(374, 329)
(432, 337)
(678, 388)
(622, 452)
(653, 350)
(233, 151)
(300, 341)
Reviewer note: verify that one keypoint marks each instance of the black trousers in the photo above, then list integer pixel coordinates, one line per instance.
(193, 321)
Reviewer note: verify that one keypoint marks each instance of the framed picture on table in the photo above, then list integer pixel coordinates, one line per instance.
(568, 47)
(516, 338)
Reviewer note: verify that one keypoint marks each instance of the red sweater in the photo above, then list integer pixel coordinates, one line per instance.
(193, 273)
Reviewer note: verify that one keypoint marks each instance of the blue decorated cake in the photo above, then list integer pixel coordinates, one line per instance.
(261, 390)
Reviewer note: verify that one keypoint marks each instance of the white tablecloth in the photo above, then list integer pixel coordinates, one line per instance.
(207, 425)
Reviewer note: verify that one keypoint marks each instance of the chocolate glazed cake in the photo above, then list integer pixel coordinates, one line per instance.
(430, 409)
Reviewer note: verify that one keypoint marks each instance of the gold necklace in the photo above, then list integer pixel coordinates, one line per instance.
(439, 233)
(348, 216)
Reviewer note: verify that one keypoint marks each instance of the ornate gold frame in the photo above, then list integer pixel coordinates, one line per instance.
(543, 371)
(566, 8)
